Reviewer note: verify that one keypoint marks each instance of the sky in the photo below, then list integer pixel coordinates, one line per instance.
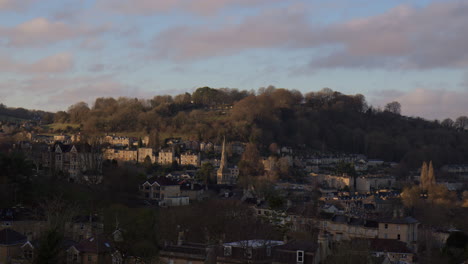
(54, 53)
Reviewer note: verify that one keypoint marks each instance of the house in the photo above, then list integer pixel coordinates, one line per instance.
(144, 153)
(303, 251)
(84, 227)
(75, 160)
(117, 141)
(399, 227)
(194, 191)
(369, 183)
(10, 244)
(166, 157)
(342, 227)
(190, 158)
(248, 251)
(184, 253)
(164, 190)
(121, 154)
(22, 221)
(95, 250)
(395, 251)
(29, 250)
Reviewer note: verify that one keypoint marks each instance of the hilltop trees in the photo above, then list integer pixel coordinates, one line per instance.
(393, 107)
(326, 120)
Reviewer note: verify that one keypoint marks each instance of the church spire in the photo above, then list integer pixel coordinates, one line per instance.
(223, 163)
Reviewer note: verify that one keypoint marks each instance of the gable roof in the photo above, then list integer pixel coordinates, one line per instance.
(161, 181)
(95, 245)
(10, 237)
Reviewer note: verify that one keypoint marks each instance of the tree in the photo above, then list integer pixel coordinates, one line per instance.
(250, 165)
(58, 214)
(423, 178)
(461, 122)
(448, 123)
(205, 173)
(410, 196)
(393, 107)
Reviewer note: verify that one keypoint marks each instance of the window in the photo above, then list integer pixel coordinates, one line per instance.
(398, 237)
(268, 251)
(386, 226)
(171, 261)
(385, 236)
(28, 254)
(300, 256)
(90, 258)
(227, 251)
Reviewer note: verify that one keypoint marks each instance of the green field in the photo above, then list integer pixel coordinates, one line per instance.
(57, 126)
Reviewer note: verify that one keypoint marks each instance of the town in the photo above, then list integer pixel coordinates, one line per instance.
(79, 197)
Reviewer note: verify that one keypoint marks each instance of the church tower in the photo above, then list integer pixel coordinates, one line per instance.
(223, 174)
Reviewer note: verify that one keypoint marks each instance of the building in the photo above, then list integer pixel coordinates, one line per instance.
(190, 158)
(163, 190)
(224, 175)
(248, 251)
(74, 161)
(393, 250)
(342, 227)
(10, 244)
(95, 250)
(166, 157)
(303, 251)
(118, 141)
(121, 155)
(143, 153)
(366, 184)
(399, 227)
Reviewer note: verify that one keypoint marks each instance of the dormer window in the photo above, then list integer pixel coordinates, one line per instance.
(300, 256)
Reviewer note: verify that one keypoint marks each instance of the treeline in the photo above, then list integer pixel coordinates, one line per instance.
(326, 120)
(10, 113)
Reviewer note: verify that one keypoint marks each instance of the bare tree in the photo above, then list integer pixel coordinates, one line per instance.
(393, 107)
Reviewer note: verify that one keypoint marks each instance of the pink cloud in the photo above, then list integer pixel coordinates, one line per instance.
(149, 7)
(57, 63)
(14, 4)
(41, 31)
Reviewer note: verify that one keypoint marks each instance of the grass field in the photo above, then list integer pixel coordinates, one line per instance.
(57, 126)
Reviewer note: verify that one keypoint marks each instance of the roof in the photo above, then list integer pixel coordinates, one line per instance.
(305, 245)
(95, 245)
(11, 237)
(399, 220)
(162, 181)
(389, 245)
(254, 243)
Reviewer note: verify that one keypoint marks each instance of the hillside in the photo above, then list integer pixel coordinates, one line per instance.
(322, 121)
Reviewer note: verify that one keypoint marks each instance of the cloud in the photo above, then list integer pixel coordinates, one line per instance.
(57, 63)
(425, 102)
(150, 7)
(271, 29)
(14, 5)
(42, 31)
(404, 37)
(58, 92)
